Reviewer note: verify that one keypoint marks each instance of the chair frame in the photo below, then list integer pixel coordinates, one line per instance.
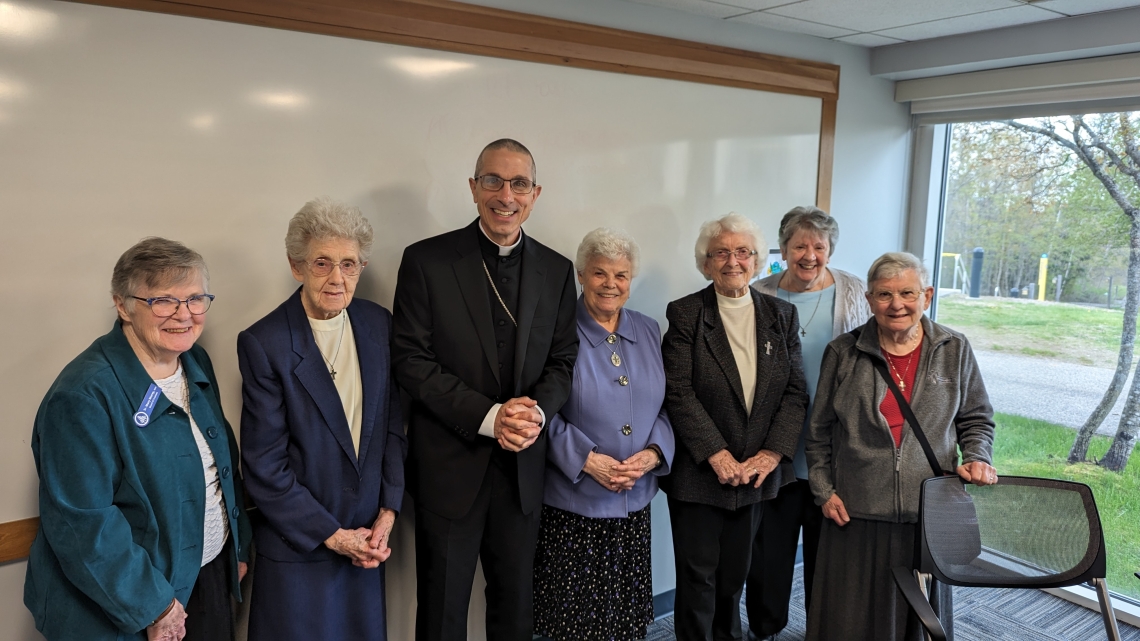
(914, 584)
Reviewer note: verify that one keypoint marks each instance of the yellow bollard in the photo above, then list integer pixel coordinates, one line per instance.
(1041, 276)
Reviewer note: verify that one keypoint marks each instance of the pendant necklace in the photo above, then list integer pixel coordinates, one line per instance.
(803, 327)
(901, 377)
(614, 358)
(332, 367)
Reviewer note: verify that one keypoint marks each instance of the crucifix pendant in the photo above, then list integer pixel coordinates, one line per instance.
(803, 332)
(902, 385)
(333, 372)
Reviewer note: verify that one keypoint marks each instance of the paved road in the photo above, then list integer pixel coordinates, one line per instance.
(1048, 390)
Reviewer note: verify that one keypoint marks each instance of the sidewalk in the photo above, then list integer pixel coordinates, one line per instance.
(1062, 393)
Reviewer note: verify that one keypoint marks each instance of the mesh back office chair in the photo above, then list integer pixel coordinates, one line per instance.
(1020, 533)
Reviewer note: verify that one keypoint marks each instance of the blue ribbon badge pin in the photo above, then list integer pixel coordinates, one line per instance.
(142, 417)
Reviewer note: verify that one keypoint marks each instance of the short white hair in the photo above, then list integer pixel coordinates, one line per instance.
(325, 218)
(611, 244)
(892, 264)
(733, 223)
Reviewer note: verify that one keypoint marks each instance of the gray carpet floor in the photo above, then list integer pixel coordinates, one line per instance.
(979, 615)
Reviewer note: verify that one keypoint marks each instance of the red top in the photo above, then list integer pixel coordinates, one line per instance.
(906, 368)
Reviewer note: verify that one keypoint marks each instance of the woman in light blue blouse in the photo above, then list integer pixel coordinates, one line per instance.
(830, 302)
(607, 447)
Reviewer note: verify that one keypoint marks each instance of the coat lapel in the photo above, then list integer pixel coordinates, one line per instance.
(472, 277)
(717, 341)
(314, 377)
(374, 365)
(530, 290)
(769, 343)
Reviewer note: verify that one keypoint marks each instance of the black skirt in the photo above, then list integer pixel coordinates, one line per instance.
(593, 578)
(854, 594)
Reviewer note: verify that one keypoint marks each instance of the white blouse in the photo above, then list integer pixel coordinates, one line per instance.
(217, 529)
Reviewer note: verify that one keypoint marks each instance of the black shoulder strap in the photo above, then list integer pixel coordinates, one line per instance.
(908, 413)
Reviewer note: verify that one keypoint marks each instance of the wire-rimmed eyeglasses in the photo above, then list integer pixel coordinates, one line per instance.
(491, 182)
(885, 297)
(742, 254)
(167, 306)
(324, 267)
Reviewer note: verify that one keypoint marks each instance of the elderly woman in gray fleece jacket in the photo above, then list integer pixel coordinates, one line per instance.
(866, 467)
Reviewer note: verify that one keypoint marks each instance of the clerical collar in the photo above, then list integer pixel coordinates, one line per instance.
(504, 250)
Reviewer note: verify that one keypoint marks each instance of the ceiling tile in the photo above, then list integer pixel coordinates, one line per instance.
(869, 40)
(699, 7)
(772, 21)
(876, 15)
(1077, 7)
(760, 5)
(1024, 14)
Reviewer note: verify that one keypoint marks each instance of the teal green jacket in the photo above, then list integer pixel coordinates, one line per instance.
(122, 506)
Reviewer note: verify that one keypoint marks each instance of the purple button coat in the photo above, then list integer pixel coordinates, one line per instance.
(599, 407)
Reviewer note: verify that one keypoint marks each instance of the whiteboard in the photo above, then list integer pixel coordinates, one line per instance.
(117, 124)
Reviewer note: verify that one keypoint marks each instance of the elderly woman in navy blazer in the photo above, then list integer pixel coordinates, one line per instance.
(322, 440)
(607, 446)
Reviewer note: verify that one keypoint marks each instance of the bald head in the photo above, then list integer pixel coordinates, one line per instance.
(507, 144)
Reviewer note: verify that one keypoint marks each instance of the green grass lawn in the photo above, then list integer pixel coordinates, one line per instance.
(1072, 333)
(1028, 447)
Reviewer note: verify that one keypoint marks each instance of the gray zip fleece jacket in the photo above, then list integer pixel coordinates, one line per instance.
(850, 451)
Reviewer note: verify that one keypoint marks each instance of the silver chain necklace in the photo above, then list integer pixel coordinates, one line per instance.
(804, 326)
(339, 341)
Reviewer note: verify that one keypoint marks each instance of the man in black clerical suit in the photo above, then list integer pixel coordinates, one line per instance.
(484, 341)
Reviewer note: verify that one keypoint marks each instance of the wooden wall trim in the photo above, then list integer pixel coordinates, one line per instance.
(464, 28)
(826, 154)
(16, 538)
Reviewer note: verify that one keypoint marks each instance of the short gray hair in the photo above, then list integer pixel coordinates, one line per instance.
(892, 264)
(733, 223)
(327, 218)
(812, 220)
(612, 244)
(508, 144)
(155, 262)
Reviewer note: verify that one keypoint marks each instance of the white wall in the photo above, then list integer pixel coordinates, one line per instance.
(872, 136)
(867, 197)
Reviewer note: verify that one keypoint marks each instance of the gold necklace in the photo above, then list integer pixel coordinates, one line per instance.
(901, 377)
(496, 290)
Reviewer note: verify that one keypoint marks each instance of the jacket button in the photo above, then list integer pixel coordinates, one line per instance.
(235, 512)
(626, 429)
(212, 432)
(226, 472)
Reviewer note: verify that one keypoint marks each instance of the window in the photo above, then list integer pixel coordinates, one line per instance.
(1037, 221)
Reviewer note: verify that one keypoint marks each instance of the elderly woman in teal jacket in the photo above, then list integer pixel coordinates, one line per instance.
(143, 534)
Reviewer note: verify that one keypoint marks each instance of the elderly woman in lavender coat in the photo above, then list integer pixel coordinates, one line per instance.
(607, 447)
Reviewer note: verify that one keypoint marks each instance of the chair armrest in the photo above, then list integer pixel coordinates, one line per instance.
(908, 585)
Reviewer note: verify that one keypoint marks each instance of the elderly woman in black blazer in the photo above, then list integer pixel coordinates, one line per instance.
(736, 396)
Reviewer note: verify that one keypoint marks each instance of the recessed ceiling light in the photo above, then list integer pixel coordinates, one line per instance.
(430, 67)
(19, 22)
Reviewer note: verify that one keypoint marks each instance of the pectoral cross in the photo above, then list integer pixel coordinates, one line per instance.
(768, 348)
